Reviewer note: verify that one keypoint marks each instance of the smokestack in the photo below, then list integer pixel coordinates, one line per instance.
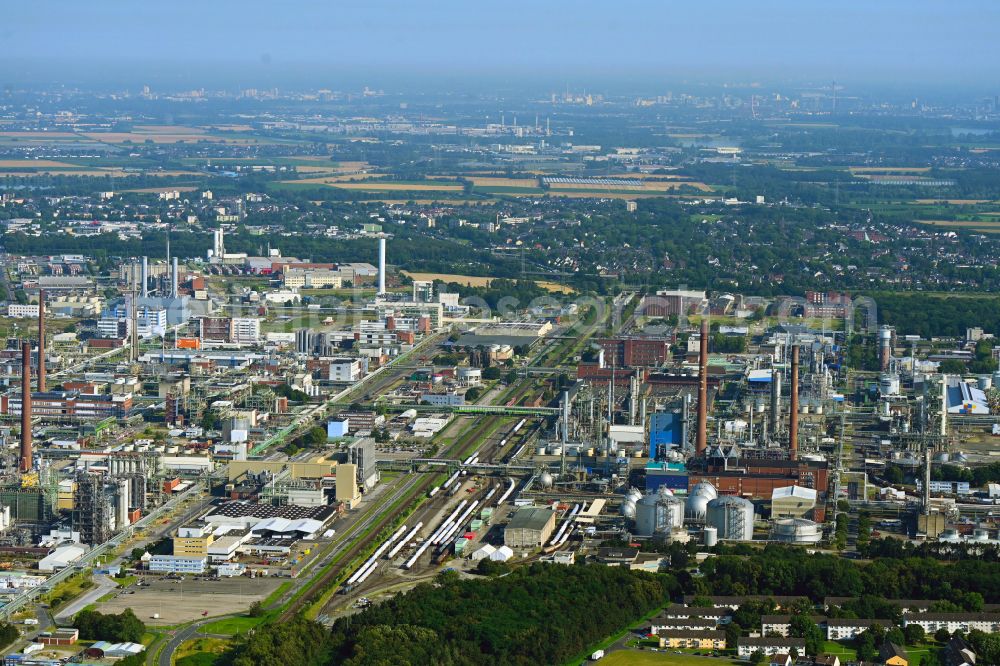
(702, 442)
(173, 279)
(25, 406)
(885, 348)
(927, 481)
(41, 341)
(381, 265)
(944, 405)
(144, 277)
(793, 416)
(775, 420)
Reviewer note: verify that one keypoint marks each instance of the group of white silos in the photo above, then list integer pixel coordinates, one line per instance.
(725, 517)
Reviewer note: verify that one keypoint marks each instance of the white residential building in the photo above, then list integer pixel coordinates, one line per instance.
(345, 370)
(22, 311)
(246, 330)
(965, 622)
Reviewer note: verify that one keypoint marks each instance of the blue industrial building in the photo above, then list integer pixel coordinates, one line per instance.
(673, 475)
(666, 431)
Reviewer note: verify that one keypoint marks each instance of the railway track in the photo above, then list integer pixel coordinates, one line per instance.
(353, 545)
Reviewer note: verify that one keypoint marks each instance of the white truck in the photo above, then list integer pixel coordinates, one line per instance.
(597, 655)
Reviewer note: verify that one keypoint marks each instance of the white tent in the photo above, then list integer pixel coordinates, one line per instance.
(502, 554)
(484, 552)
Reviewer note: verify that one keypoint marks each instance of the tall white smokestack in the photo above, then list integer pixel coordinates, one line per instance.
(173, 279)
(144, 277)
(944, 405)
(381, 265)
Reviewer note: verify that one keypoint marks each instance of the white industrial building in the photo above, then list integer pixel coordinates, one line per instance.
(62, 557)
(178, 564)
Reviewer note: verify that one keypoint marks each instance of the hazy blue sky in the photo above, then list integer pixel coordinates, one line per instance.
(909, 40)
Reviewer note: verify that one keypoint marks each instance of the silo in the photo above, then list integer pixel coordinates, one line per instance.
(797, 530)
(732, 516)
(674, 508)
(711, 536)
(650, 515)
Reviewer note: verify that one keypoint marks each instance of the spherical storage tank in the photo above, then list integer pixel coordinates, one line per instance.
(797, 530)
(732, 517)
(628, 509)
(698, 499)
(546, 480)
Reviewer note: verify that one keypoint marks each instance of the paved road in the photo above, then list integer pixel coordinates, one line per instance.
(104, 586)
(179, 637)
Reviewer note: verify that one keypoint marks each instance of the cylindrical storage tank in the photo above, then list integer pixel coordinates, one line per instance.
(590, 452)
(996, 378)
(650, 515)
(711, 536)
(675, 510)
(732, 516)
(942, 457)
(819, 409)
(888, 383)
(540, 450)
(797, 530)
(985, 382)
(637, 453)
(980, 535)
(804, 409)
(950, 534)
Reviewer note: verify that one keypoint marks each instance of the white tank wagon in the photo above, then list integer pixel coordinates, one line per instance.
(732, 516)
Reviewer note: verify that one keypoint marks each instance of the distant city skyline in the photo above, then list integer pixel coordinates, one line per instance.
(253, 43)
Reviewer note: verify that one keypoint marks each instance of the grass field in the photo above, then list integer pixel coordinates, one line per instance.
(480, 281)
(200, 651)
(643, 657)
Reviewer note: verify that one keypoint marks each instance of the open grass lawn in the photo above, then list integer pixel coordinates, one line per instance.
(233, 626)
(641, 657)
(200, 651)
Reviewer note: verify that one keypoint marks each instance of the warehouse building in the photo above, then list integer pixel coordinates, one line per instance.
(530, 527)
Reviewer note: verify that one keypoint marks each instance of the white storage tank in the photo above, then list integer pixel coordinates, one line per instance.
(797, 530)
(985, 382)
(732, 516)
(650, 515)
(888, 383)
(697, 502)
(711, 536)
(628, 509)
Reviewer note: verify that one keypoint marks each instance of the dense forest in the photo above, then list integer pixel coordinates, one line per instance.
(930, 315)
(777, 570)
(548, 614)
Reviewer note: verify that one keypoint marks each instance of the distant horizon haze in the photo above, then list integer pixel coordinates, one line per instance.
(629, 43)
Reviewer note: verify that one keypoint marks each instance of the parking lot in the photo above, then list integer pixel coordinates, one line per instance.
(177, 601)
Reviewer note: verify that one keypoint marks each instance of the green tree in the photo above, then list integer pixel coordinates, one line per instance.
(803, 626)
(914, 633)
